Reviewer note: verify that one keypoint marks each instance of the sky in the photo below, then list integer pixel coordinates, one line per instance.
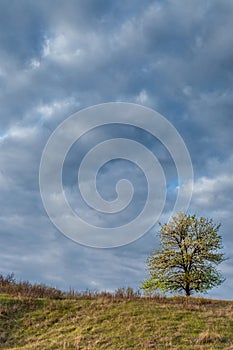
(57, 58)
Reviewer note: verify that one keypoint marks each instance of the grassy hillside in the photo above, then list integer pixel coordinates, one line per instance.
(105, 322)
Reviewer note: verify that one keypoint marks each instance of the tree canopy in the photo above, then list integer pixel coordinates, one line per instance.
(190, 250)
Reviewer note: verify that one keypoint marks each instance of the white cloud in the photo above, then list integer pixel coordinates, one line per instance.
(55, 108)
(213, 192)
(21, 132)
(142, 98)
(173, 56)
(34, 63)
(46, 48)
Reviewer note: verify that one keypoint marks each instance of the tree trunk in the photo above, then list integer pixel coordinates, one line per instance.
(187, 290)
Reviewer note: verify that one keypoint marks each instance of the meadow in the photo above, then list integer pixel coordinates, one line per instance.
(41, 317)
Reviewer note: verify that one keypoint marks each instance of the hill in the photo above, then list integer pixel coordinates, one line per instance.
(114, 322)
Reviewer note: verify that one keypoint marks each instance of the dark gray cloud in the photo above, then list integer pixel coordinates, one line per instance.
(58, 57)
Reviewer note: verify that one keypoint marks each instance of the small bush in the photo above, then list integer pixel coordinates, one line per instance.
(9, 285)
(127, 292)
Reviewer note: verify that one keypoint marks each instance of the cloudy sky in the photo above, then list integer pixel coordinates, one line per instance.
(57, 58)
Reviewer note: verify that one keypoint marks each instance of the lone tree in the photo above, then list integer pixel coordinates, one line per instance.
(186, 262)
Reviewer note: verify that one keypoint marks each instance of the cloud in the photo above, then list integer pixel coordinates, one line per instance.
(58, 57)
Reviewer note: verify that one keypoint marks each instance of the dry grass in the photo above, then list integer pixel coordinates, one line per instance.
(115, 323)
(209, 337)
(123, 320)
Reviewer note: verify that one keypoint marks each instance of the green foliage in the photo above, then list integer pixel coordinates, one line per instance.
(190, 249)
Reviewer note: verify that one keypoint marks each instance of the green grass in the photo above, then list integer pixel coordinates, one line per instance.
(104, 322)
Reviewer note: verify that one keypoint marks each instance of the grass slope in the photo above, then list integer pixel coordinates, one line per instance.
(115, 323)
